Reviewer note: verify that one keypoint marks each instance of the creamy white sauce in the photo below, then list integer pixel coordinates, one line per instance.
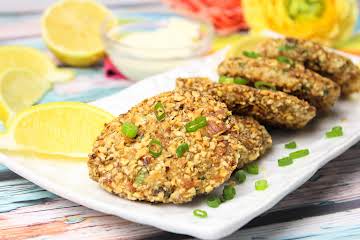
(178, 33)
(145, 53)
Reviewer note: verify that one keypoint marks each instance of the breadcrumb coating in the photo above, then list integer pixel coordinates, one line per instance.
(286, 76)
(327, 63)
(253, 136)
(272, 108)
(125, 167)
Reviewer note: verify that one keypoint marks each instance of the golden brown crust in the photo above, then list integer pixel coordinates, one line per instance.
(273, 108)
(291, 78)
(117, 161)
(315, 57)
(253, 136)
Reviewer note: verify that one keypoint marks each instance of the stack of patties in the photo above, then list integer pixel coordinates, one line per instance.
(283, 83)
(174, 146)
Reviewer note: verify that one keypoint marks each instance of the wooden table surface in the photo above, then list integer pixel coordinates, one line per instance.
(326, 207)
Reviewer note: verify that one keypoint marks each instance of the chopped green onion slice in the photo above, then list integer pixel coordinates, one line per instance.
(241, 81)
(129, 129)
(299, 154)
(181, 149)
(200, 213)
(213, 201)
(196, 124)
(155, 148)
(229, 192)
(335, 132)
(284, 59)
(230, 80)
(337, 129)
(291, 145)
(240, 176)
(286, 47)
(159, 111)
(261, 185)
(265, 85)
(252, 168)
(141, 176)
(226, 80)
(251, 54)
(286, 161)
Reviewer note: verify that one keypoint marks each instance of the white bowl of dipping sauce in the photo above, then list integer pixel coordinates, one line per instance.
(145, 47)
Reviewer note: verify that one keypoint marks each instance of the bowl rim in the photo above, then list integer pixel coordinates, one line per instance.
(199, 47)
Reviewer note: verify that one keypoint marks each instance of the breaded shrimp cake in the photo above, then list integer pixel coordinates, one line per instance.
(183, 147)
(327, 63)
(272, 108)
(253, 136)
(285, 75)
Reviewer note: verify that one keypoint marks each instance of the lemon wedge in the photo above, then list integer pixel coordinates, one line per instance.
(60, 129)
(19, 89)
(33, 60)
(71, 30)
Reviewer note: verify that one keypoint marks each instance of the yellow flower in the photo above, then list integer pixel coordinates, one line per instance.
(327, 21)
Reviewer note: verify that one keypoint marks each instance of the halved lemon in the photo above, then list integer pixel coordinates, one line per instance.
(33, 60)
(20, 89)
(60, 129)
(71, 30)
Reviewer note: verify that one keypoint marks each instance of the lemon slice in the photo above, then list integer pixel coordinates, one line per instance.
(19, 89)
(33, 60)
(71, 30)
(63, 129)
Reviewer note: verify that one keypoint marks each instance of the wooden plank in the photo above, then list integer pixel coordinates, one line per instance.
(19, 193)
(51, 219)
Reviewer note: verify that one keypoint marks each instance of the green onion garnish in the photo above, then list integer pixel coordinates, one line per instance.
(159, 111)
(286, 161)
(335, 132)
(240, 176)
(213, 201)
(196, 124)
(129, 129)
(229, 192)
(291, 145)
(200, 213)
(230, 80)
(155, 148)
(299, 154)
(241, 81)
(261, 185)
(251, 54)
(141, 176)
(286, 60)
(226, 80)
(286, 47)
(265, 85)
(252, 168)
(181, 149)
(337, 129)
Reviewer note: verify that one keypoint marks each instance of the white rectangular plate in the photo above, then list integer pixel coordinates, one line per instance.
(70, 179)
